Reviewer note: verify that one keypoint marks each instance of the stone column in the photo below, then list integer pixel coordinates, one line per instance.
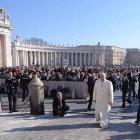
(18, 58)
(59, 58)
(84, 58)
(63, 61)
(55, 57)
(38, 58)
(47, 63)
(35, 62)
(103, 58)
(88, 59)
(80, 59)
(14, 56)
(7, 60)
(95, 57)
(68, 58)
(23, 58)
(17, 62)
(30, 58)
(51, 63)
(43, 58)
(76, 59)
(72, 58)
(27, 59)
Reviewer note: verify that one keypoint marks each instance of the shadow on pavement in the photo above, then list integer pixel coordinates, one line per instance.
(125, 136)
(128, 127)
(56, 127)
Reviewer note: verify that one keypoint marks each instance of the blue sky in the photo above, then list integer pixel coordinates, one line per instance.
(112, 22)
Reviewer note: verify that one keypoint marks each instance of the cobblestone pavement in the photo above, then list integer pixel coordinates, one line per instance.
(77, 124)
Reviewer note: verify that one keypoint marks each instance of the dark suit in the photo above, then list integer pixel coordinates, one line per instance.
(59, 105)
(138, 113)
(24, 82)
(132, 82)
(111, 78)
(11, 86)
(90, 83)
(125, 89)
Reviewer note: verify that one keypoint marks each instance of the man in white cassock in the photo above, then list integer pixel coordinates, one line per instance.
(103, 99)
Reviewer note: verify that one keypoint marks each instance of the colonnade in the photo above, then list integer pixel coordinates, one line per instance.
(27, 58)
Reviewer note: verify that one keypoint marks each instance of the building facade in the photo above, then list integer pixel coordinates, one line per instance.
(133, 57)
(25, 54)
(22, 54)
(115, 56)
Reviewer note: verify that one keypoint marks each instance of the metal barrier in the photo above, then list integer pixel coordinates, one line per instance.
(74, 89)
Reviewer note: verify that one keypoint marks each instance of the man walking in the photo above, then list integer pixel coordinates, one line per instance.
(91, 83)
(125, 90)
(103, 99)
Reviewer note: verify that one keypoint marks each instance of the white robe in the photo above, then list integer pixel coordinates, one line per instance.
(103, 94)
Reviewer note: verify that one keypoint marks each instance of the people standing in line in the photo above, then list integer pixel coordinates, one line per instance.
(103, 99)
(91, 83)
(125, 90)
(11, 86)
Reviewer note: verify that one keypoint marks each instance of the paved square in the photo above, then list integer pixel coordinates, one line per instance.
(77, 124)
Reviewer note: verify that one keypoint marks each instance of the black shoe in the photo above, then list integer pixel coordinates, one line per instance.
(10, 111)
(15, 110)
(137, 122)
(122, 106)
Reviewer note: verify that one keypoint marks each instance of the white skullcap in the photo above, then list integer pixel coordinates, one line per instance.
(59, 94)
(103, 74)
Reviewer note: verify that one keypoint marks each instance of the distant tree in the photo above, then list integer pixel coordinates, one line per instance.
(35, 41)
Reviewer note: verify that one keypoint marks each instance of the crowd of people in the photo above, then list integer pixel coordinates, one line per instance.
(69, 73)
(123, 78)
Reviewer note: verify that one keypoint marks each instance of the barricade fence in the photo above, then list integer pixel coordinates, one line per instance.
(72, 89)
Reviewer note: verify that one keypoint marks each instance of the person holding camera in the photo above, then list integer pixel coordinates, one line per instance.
(11, 87)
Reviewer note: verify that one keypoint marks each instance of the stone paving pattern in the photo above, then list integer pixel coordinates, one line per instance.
(77, 124)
